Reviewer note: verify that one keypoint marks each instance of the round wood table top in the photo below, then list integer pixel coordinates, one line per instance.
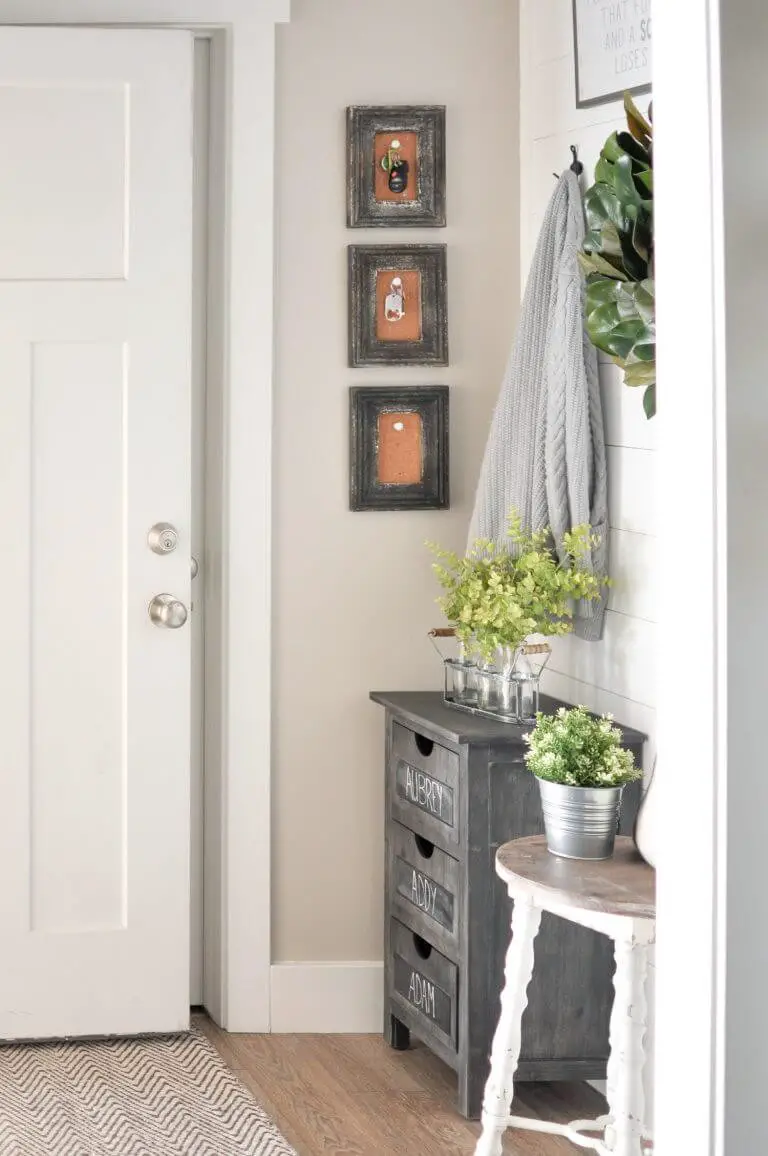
(623, 885)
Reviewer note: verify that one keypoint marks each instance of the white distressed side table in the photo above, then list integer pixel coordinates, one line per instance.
(613, 896)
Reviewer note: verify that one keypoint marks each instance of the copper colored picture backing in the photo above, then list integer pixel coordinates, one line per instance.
(408, 328)
(400, 460)
(409, 150)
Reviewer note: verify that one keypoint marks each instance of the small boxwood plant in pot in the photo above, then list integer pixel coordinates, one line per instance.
(582, 771)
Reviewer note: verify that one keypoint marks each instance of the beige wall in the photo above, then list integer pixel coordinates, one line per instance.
(353, 592)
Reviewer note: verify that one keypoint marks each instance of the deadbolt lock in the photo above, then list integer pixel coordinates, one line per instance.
(163, 538)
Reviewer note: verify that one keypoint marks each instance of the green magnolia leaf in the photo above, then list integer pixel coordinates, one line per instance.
(606, 246)
(634, 264)
(623, 182)
(645, 300)
(594, 263)
(638, 125)
(601, 291)
(645, 178)
(602, 204)
(618, 145)
(615, 322)
(639, 373)
(632, 329)
(642, 237)
(617, 253)
(645, 346)
(625, 302)
(610, 151)
(633, 148)
(610, 242)
(603, 170)
(608, 332)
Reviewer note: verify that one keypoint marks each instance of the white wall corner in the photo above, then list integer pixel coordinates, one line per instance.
(327, 997)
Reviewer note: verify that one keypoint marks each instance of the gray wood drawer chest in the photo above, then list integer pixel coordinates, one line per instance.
(457, 788)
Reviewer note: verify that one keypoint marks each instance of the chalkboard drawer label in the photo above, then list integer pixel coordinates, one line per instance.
(423, 981)
(424, 884)
(424, 893)
(424, 787)
(423, 994)
(425, 792)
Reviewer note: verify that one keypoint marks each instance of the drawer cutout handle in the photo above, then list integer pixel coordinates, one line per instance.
(424, 745)
(423, 949)
(424, 847)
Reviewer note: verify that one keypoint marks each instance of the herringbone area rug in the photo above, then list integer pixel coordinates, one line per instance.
(171, 1096)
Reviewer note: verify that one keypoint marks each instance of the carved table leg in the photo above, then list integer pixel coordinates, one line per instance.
(626, 1098)
(505, 1053)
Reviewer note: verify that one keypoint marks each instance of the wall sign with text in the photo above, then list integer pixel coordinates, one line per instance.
(612, 40)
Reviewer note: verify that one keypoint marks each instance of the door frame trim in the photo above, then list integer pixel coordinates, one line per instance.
(692, 926)
(238, 551)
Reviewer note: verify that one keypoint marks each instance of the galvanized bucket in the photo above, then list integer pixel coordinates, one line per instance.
(580, 822)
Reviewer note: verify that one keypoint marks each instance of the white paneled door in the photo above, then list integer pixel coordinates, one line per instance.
(95, 289)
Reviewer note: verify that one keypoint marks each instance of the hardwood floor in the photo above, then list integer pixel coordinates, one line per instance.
(354, 1096)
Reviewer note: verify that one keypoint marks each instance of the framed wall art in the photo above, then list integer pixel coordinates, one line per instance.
(395, 166)
(612, 45)
(398, 448)
(398, 311)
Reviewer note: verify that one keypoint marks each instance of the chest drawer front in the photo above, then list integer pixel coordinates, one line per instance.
(425, 983)
(424, 886)
(424, 787)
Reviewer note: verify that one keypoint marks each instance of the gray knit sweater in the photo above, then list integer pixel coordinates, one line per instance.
(545, 455)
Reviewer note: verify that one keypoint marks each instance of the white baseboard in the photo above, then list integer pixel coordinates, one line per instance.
(327, 997)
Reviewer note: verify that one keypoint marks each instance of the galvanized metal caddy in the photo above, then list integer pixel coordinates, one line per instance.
(507, 691)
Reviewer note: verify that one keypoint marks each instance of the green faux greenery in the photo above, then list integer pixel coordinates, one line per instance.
(618, 254)
(498, 596)
(577, 749)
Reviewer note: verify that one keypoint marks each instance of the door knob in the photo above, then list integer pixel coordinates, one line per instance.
(165, 610)
(194, 566)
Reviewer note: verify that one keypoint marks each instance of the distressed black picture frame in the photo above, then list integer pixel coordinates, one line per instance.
(366, 404)
(428, 208)
(365, 348)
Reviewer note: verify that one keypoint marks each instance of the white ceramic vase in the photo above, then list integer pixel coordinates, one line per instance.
(646, 825)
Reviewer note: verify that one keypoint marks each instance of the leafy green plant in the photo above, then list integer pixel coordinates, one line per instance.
(498, 596)
(617, 255)
(576, 748)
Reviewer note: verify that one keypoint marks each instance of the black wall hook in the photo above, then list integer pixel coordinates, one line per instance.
(575, 166)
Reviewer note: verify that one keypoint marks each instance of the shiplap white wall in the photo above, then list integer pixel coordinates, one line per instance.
(617, 674)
